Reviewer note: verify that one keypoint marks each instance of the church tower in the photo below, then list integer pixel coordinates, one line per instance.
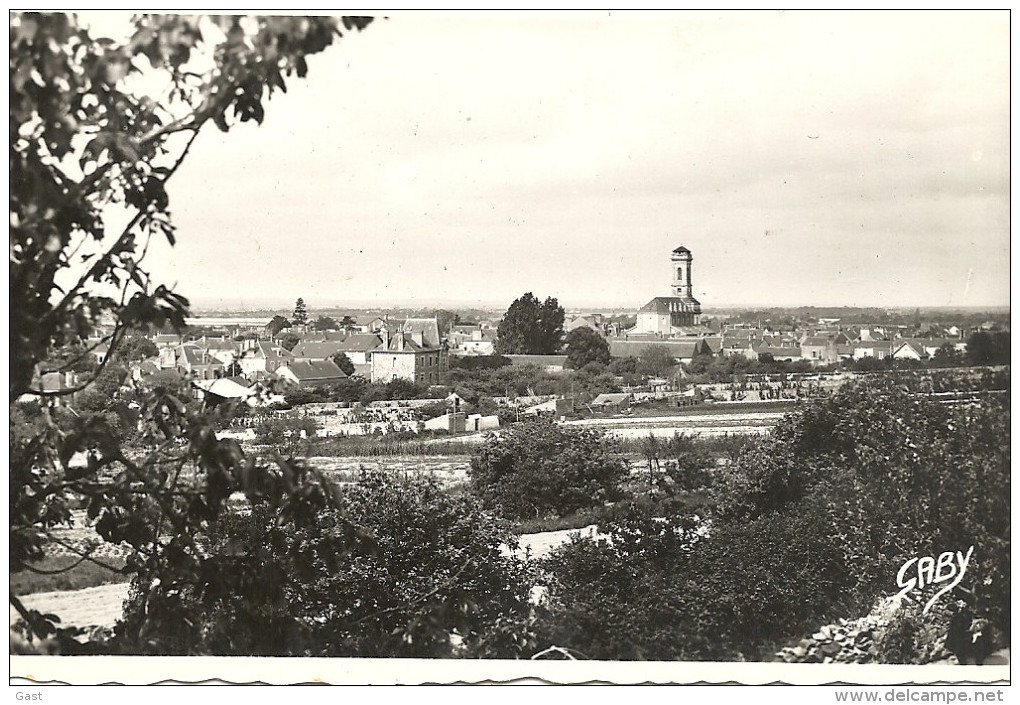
(676, 314)
(682, 272)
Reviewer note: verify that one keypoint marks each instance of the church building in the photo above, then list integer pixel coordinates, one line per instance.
(669, 315)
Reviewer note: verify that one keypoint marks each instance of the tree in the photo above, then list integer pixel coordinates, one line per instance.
(300, 316)
(85, 139)
(424, 564)
(136, 347)
(656, 361)
(341, 360)
(585, 345)
(274, 327)
(530, 327)
(446, 320)
(988, 348)
(289, 341)
(539, 468)
(324, 323)
(812, 523)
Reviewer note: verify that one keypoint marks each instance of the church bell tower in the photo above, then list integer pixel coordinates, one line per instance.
(682, 273)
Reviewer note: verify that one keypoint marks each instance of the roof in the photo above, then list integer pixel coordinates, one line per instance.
(224, 387)
(218, 344)
(315, 351)
(681, 251)
(917, 347)
(610, 399)
(360, 342)
(315, 370)
(714, 343)
(874, 345)
(272, 351)
(409, 346)
(196, 356)
(661, 304)
(818, 340)
(428, 327)
(779, 351)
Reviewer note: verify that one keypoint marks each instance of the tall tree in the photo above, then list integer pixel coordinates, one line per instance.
(530, 327)
(85, 137)
(585, 345)
(300, 316)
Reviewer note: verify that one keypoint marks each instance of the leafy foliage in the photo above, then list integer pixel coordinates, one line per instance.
(811, 524)
(538, 468)
(530, 327)
(656, 360)
(341, 360)
(423, 564)
(276, 325)
(585, 346)
(83, 141)
(300, 315)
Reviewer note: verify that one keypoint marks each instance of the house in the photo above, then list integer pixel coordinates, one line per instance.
(738, 346)
(100, 352)
(264, 357)
(316, 350)
(909, 350)
(932, 346)
(819, 349)
(714, 343)
(612, 402)
(310, 373)
(481, 342)
(51, 382)
(216, 391)
(193, 360)
(408, 356)
(551, 407)
(591, 321)
(779, 352)
(167, 340)
(455, 422)
(145, 368)
(878, 349)
(358, 348)
(424, 331)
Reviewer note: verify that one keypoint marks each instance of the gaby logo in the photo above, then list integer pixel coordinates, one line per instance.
(918, 573)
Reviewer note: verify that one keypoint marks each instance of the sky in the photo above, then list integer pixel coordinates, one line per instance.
(805, 158)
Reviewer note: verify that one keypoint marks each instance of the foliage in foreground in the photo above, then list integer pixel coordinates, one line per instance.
(395, 567)
(86, 139)
(810, 525)
(538, 468)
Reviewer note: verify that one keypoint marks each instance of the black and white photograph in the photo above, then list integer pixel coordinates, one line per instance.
(591, 346)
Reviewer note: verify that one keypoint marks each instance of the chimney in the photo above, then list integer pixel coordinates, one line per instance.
(400, 341)
(384, 333)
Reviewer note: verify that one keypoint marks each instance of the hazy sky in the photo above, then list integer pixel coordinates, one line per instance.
(804, 158)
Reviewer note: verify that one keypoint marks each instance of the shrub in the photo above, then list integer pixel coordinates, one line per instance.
(538, 468)
(397, 568)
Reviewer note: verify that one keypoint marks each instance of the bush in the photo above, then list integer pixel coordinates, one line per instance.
(811, 524)
(538, 468)
(393, 571)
